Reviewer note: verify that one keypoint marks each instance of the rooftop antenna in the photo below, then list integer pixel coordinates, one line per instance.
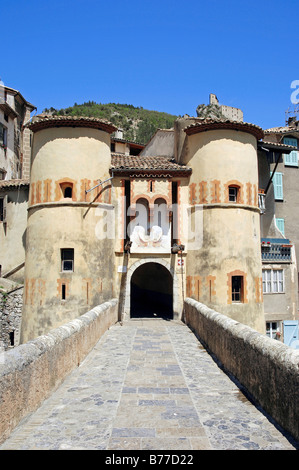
(292, 113)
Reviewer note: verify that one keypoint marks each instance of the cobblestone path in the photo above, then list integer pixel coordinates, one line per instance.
(148, 385)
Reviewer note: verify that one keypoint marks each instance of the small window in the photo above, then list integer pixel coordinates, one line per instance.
(63, 292)
(3, 136)
(67, 189)
(67, 259)
(1, 209)
(12, 338)
(273, 329)
(232, 193)
(68, 192)
(237, 288)
(3, 205)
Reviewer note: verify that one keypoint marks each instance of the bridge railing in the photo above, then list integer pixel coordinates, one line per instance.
(266, 368)
(30, 372)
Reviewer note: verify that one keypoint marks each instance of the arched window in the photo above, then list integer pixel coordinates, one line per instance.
(161, 216)
(68, 191)
(143, 214)
(233, 193)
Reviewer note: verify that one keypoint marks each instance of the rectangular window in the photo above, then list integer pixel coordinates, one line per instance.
(233, 193)
(280, 225)
(1, 209)
(67, 259)
(273, 329)
(273, 281)
(237, 288)
(262, 201)
(291, 159)
(278, 186)
(3, 205)
(63, 292)
(3, 136)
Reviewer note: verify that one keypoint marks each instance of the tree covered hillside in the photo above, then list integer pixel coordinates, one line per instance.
(138, 124)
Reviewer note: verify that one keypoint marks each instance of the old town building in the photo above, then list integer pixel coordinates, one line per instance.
(188, 215)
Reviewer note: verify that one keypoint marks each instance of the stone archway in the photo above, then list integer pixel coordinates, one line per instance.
(176, 304)
(151, 292)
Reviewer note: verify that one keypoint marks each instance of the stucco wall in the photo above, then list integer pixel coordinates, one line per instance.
(267, 368)
(78, 157)
(13, 233)
(30, 372)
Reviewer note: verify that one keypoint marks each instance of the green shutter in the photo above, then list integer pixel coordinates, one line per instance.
(278, 187)
(291, 159)
(280, 225)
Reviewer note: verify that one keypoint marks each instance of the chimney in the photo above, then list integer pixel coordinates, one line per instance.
(292, 121)
(119, 134)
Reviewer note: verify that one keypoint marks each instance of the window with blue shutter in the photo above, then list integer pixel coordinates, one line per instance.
(291, 159)
(278, 187)
(280, 225)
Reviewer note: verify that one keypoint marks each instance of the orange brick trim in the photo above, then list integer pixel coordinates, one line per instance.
(249, 194)
(87, 287)
(215, 191)
(203, 192)
(256, 201)
(32, 195)
(229, 286)
(211, 283)
(259, 290)
(85, 185)
(47, 190)
(38, 192)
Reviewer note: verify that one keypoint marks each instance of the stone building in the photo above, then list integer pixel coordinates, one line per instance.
(182, 217)
(280, 230)
(15, 149)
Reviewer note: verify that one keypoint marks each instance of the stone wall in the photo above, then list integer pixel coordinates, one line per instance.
(10, 318)
(268, 369)
(31, 371)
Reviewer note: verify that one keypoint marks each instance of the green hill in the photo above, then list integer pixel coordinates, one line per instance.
(138, 124)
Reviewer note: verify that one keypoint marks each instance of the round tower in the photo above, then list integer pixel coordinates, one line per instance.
(66, 268)
(224, 269)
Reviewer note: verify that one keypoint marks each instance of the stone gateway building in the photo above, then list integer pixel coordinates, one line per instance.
(183, 218)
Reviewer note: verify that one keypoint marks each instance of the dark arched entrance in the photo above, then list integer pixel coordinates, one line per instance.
(151, 292)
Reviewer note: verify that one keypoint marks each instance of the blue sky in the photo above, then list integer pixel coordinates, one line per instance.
(166, 55)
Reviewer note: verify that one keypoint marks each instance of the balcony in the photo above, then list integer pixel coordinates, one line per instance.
(276, 249)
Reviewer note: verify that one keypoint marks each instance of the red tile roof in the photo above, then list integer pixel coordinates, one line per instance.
(146, 166)
(207, 124)
(46, 121)
(13, 183)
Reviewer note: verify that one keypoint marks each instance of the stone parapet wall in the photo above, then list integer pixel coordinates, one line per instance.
(30, 372)
(266, 368)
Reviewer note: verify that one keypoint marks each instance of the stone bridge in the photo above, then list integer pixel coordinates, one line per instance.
(208, 383)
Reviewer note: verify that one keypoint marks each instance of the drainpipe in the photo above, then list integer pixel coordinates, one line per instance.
(275, 168)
